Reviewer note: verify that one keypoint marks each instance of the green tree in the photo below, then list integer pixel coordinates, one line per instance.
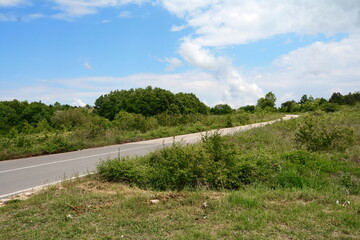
(267, 102)
(147, 102)
(221, 109)
(289, 106)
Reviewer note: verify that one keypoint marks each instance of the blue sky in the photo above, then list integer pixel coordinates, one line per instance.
(224, 51)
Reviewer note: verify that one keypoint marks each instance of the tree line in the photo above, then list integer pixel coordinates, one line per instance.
(146, 107)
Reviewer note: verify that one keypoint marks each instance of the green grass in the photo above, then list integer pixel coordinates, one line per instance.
(90, 209)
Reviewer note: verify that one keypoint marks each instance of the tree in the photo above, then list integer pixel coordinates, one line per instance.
(148, 102)
(248, 108)
(221, 109)
(303, 99)
(289, 106)
(267, 102)
(336, 97)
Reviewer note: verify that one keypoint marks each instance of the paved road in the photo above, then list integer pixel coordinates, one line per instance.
(21, 175)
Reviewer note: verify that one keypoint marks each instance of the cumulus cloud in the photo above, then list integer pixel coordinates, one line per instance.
(318, 68)
(219, 24)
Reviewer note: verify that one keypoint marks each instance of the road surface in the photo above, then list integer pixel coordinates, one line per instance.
(21, 175)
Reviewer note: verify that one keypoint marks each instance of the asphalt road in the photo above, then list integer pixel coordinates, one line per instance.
(21, 175)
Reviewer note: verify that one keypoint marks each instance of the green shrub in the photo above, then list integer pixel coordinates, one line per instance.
(132, 171)
(351, 183)
(315, 134)
(290, 179)
(297, 157)
(210, 164)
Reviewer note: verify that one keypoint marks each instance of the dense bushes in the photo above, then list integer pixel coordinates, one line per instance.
(211, 164)
(321, 134)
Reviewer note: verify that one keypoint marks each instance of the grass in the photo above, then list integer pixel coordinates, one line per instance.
(292, 193)
(91, 209)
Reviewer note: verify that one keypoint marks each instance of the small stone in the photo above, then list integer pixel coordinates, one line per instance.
(154, 201)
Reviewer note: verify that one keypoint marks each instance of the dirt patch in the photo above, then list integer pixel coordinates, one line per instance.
(97, 187)
(20, 196)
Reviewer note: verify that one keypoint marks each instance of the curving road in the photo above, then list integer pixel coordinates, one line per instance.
(21, 175)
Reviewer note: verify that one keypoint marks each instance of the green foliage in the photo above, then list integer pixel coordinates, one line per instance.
(290, 107)
(315, 134)
(329, 107)
(266, 157)
(349, 99)
(211, 164)
(221, 109)
(267, 102)
(70, 118)
(351, 183)
(248, 108)
(148, 102)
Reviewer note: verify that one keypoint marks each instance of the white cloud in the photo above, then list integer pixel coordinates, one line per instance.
(198, 56)
(203, 84)
(87, 65)
(125, 14)
(72, 9)
(221, 23)
(317, 69)
(35, 16)
(8, 18)
(78, 102)
(175, 28)
(85, 62)
(10, 3)
(287, 97)
(25, 18)
(105, 21)
(173, 63)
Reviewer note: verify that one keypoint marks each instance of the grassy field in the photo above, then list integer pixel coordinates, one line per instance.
(91, 209)
(298, 179)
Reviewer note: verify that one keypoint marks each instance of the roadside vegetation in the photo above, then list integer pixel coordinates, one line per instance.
(30, 129)
(296, 179)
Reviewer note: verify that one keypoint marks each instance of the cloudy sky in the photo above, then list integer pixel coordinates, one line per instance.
(224, 51)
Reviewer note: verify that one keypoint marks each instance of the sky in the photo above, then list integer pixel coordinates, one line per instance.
(224, 51)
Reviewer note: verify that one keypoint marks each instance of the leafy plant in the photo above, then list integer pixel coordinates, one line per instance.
(315, 134)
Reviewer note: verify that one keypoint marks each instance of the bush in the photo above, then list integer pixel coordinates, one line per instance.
(316, 135)
(131, 121)
(210, 164)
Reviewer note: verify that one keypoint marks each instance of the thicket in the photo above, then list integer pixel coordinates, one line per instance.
(268, 157)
